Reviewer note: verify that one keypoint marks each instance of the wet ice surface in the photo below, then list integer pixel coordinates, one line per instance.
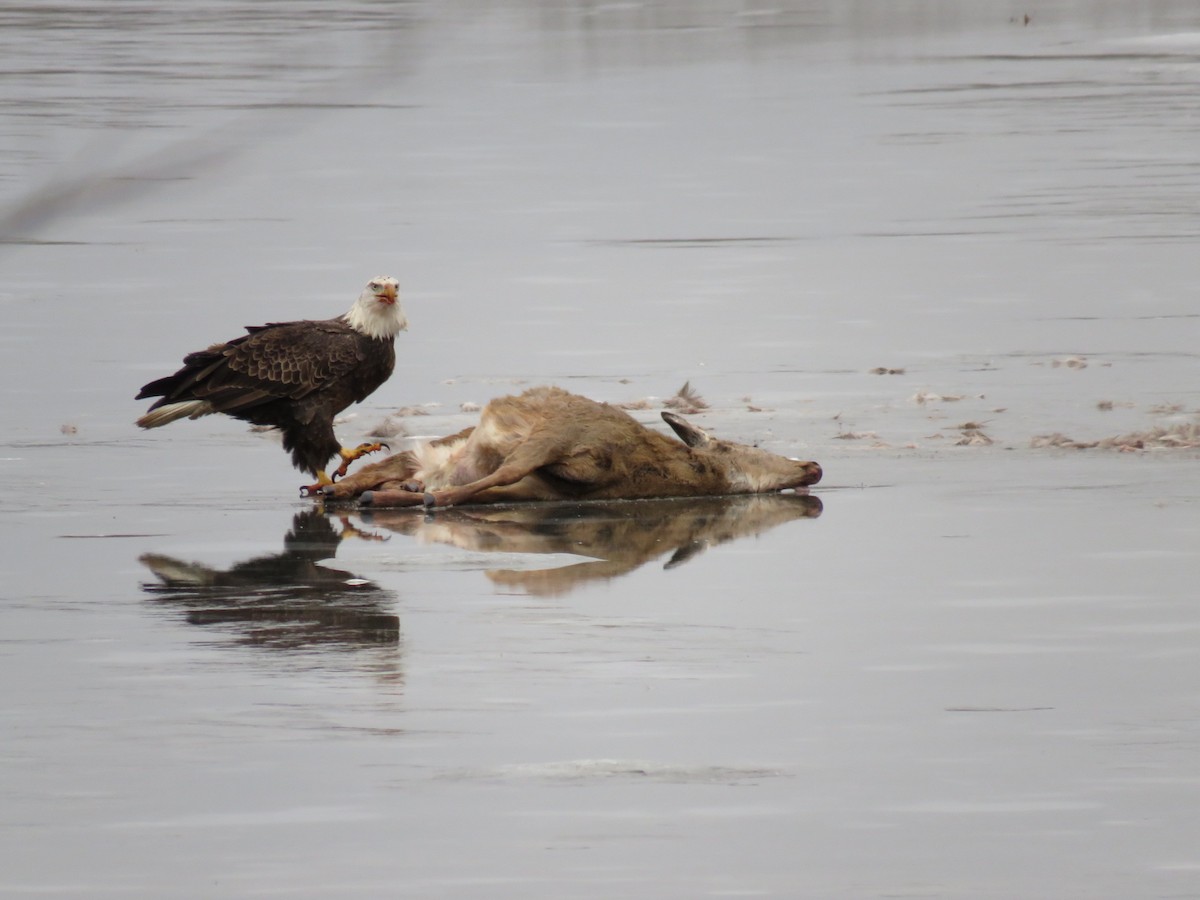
(973, 674)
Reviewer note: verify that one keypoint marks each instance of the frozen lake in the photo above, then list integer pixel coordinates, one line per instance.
(929, 244)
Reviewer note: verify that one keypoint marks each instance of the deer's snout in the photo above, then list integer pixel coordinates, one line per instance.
(812, 472)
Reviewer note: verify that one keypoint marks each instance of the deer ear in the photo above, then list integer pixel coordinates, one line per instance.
(688, 433)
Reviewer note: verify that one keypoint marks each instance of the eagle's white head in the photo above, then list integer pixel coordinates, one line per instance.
(377, 312)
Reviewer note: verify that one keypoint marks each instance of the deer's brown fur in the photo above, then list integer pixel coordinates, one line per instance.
(548, 444)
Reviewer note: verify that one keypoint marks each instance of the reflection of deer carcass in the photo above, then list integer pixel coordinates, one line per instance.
(620, 536)
(547, 444)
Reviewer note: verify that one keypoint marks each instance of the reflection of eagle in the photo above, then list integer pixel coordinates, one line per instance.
(283, 600)
(293, 375)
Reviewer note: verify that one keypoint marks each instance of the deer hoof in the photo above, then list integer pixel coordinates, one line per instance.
(430, 500)
(366, 498)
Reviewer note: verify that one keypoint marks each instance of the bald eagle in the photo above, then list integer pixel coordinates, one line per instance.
(294, 375)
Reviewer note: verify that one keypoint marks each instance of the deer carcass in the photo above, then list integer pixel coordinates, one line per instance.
(548, 444)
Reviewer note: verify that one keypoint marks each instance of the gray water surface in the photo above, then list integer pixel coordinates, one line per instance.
(963, 668)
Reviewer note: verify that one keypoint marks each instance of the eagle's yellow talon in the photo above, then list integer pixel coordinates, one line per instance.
(350, 455)
(310, 490)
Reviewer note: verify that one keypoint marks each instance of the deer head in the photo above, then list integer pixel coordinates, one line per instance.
(757, 470)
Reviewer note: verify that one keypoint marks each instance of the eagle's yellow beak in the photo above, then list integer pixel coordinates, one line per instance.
(389, 294)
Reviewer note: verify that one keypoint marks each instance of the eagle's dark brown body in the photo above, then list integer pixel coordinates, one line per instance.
(295, 375)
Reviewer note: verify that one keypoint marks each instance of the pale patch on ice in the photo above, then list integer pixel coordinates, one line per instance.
(991, 807)
(1145, 553)
(631, 769)
(297, 815)
(1190, 39)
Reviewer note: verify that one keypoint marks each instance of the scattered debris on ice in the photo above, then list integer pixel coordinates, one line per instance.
(686, 400)
(1070, 362)
(972, 437)
(390, 427)
(1179, 436)
(923, 397)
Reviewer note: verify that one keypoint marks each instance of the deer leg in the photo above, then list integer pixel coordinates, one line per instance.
(506, 474)
(388, 472)
(379, 499)
(539, 449)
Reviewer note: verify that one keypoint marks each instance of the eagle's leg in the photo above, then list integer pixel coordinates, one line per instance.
(350, 530)
(311, 490)
(348, 456)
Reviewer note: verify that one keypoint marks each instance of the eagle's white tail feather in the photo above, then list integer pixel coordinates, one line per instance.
(176, 572)
(191, 409)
